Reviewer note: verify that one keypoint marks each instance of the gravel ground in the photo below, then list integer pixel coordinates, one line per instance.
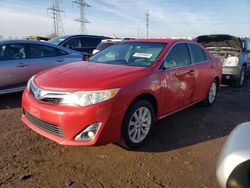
(181, 154)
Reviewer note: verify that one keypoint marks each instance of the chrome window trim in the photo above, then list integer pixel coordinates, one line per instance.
(186, 42)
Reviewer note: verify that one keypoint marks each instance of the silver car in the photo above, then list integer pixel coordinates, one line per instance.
(21, 59)
(233, 52)
(233, 168)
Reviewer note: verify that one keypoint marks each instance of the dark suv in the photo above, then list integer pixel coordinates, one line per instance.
(82, 43)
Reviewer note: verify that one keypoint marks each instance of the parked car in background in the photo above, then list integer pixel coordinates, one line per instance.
(82, 43)
(21, 59)
(233, 52)
(106, 43)
(37, 38)
(233, 168)
(120, 92)
(109, 42)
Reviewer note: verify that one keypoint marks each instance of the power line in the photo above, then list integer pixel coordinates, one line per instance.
(55, 12)
(82, 6)
(147, 22)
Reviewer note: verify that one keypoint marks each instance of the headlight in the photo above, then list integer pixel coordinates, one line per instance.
(231, 61)
(85, 98)
(30, 80)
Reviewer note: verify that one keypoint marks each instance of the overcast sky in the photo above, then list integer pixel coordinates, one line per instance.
(168, 18)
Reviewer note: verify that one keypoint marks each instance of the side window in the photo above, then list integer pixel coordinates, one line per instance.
(198, 53)
(90, 42)
(12, 52)
(73, 43)
(42, 51)
(178, 56)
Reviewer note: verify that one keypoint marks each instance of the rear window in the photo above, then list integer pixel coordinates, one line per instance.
(198, 53)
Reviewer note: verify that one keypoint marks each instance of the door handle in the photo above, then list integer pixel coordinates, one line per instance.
(191, 72)
(21, 64)
(211, 66)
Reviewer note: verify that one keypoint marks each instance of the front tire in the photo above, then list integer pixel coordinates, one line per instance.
(137, 124)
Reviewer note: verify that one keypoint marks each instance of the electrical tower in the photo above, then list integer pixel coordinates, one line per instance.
(147, 22)
(82, 6)
(55, 12)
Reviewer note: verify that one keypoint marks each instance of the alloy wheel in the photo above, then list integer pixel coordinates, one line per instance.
(139, 124)
(212, 92)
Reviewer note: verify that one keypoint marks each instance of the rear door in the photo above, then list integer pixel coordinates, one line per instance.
(42, 57)
(204, 71)
(178, 80)
(14, 66)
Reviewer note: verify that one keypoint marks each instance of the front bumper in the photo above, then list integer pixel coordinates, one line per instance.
(73, 119)
(229, 73)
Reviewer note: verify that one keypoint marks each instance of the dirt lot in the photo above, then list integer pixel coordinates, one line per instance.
(183, 152)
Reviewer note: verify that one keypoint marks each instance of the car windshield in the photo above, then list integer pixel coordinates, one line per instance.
(104, 45)
(57, 40)
(141, 54)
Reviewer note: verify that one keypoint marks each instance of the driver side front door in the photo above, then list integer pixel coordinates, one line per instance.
(177, 78)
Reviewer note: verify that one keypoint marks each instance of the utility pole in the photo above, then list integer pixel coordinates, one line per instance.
(82, 5)
(55, 12)
(147, 22)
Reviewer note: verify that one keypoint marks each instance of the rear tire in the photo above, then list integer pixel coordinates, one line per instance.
(212, 93)
(137, 124)
(240, 81)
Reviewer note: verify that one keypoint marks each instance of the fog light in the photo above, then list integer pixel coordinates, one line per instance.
(88, 133)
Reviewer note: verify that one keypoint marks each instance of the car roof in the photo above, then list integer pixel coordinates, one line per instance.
(166, 40)
(11, 41)
(69, 36)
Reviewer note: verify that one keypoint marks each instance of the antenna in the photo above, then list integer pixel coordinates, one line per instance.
(147, 22)
(55, 12)
(82, 5)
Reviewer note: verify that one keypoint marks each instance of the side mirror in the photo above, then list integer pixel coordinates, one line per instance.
(168, 65)
(233, 167)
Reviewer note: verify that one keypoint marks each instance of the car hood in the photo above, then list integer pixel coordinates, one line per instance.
(220, 41)
(88, 76)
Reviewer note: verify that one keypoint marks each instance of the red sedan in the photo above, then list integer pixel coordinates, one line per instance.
(120, 92)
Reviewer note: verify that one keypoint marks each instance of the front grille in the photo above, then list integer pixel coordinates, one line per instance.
(53, 100)
(53, 129)
(49, 96)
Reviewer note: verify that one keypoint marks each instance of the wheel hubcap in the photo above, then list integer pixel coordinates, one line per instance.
(212, 92)
(139, 124)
